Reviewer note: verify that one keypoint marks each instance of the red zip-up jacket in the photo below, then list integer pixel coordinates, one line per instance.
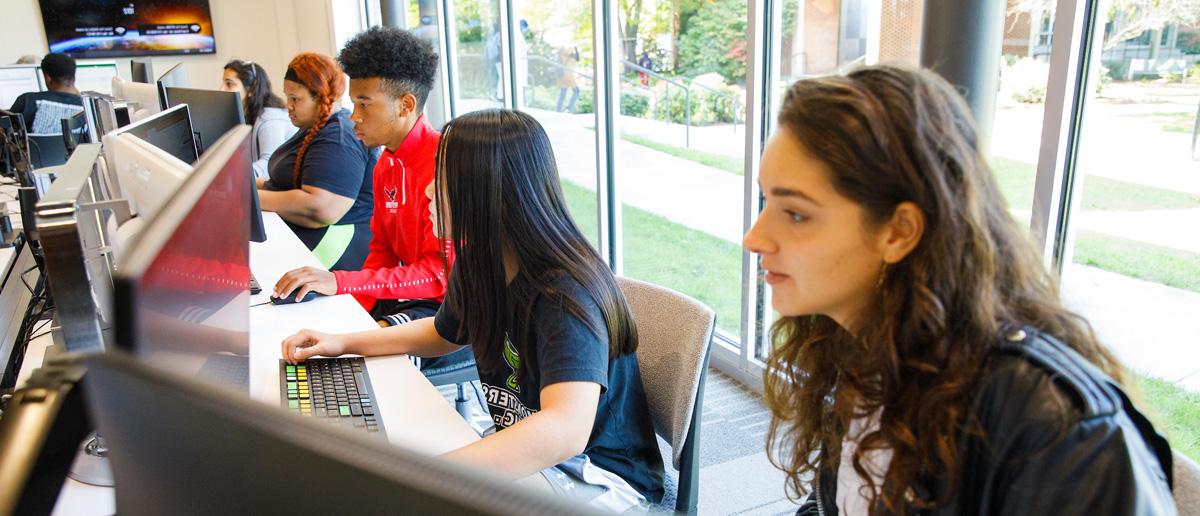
(405, 258)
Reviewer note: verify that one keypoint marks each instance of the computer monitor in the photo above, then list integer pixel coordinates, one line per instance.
(175, 77)
(181, 288)
(72, 221)
(141, 70)
(176, 444)
(170, 130)
(213, 112)
(95, 77)
(142, 99)
(147, 176)
(16, 80)
(14, 148)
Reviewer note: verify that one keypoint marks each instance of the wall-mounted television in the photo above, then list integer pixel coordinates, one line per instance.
(111, 28)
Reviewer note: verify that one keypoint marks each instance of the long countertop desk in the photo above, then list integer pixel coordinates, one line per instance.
(414, 413)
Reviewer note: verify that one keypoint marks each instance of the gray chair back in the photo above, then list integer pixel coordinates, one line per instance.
(1187, 485)
(674, 334)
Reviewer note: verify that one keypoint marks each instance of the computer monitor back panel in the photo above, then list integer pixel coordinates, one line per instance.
(15, 80)
(213, 112)
(73, 234)
(142, 98)
(147, 176)
(181, 288)
(176, 444)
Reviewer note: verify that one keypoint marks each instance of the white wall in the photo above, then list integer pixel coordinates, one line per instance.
(268, 32)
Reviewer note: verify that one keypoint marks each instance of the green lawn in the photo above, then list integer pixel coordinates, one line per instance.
(1177, 122)
(1174, 411)
(1162, 265)
(677, 257)
(717, 161)
(1016, 180)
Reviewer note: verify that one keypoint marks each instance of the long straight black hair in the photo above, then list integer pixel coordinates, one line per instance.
(500, 187)
(255, 79)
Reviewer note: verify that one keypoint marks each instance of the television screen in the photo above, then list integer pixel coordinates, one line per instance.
(110, 28)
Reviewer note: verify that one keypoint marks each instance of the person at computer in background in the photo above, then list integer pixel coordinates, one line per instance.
(60, 100)
(923, 361)
(552, 334)
(320, 178)
(391, 72)
(263, 109)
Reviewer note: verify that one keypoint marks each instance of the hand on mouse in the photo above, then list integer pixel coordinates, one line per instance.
(300, 281)
(308, 343)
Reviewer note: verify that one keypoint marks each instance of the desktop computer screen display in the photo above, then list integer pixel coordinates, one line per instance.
(181, 287)
(177, 445)
(95, 77)
(213, 112)
(15, 80)
(170, 130)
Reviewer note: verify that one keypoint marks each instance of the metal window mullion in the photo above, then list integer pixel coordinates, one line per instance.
(758, 77)
(605, 43)
(1071, 55)
(515, 99)
(505, 25)
(449, 48)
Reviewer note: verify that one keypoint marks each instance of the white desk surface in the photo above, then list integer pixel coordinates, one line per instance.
(414, 413)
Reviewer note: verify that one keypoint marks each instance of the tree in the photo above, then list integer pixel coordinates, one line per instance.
(632, 9)
(1135, 16)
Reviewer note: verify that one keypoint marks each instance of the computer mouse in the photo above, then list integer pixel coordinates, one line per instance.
(291, 298)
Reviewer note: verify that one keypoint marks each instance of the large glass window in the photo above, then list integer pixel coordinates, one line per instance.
(1135, 270)
(479, 54)
(682, 148)
(555, 73)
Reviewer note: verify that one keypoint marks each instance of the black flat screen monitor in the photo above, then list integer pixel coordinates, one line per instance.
(170, 130)
(177, 445)
(181, 290)
(125, 28)
(214, 113)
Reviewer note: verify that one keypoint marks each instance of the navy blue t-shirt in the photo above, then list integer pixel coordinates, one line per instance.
(564, 348)
(26, 104)
(336, 161)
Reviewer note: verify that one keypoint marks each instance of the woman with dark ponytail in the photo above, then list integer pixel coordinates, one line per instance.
(263, 109)
(320, 179)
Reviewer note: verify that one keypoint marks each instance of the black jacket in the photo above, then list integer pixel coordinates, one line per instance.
(1061, 438)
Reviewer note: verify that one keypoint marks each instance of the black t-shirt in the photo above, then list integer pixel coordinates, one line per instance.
(567, 350)
(26, 104)
(335, 161)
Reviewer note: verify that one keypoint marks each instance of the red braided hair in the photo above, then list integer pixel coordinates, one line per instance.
(323, 78)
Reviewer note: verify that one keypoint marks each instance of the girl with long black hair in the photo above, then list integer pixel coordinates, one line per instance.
(552, 335)
(262, 108)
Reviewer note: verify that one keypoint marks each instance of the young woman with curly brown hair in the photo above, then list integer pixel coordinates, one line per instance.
(320, 179)
(923, 360)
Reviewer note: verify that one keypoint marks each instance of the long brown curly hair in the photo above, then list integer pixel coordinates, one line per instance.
(323, 78)
(890, 135)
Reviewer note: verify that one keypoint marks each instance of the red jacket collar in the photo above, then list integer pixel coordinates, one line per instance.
(416, 138)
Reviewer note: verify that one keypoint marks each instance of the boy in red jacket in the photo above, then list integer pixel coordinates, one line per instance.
(404, 277)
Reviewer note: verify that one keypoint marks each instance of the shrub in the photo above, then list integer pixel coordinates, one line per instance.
(1025, 80)
(635, 104)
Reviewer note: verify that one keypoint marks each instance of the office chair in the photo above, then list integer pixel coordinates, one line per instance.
(457, 374)
(674, 334)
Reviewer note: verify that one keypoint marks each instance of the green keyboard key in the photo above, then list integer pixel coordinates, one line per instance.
(293, 404)
(344, 410)
(291, 369)
(291, 386)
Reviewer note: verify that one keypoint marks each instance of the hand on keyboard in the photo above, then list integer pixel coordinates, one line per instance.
(309, 343)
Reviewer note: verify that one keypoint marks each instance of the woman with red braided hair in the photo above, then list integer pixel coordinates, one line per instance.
(320, 179)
